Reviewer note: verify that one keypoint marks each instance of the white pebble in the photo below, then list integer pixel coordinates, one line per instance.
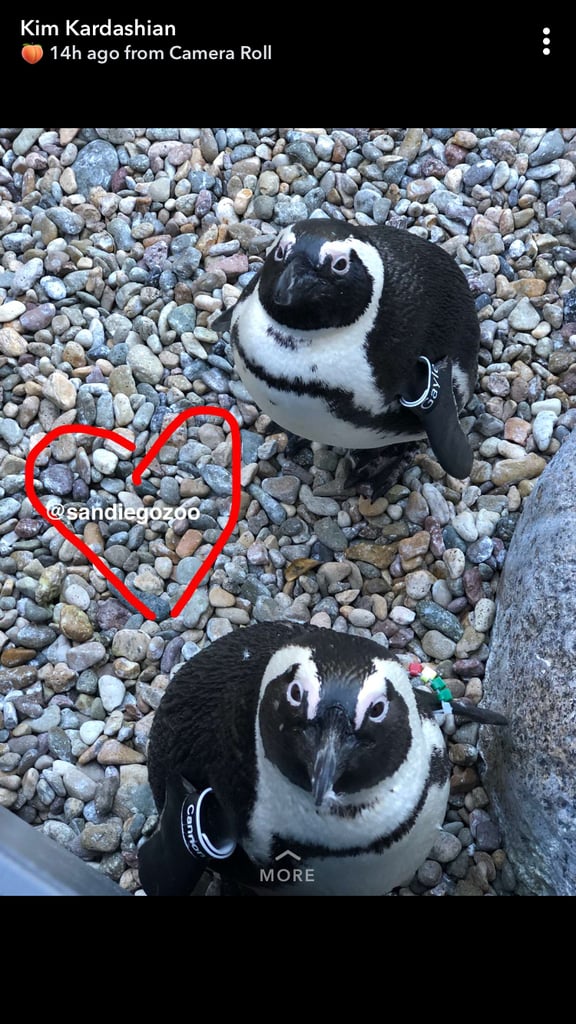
(543, 428)
(111, 692)
(486, 522)
(483, 614)
(123, 412)
(321, 619)
(402, 616)
(418, 584)
(547, 405)
(105, 462)
(465, 526)
(455, 562)
(11, 311)
(509, 450)
(90, 731)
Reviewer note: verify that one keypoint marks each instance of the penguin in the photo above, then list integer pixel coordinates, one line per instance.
(295, 761)
(360, 337)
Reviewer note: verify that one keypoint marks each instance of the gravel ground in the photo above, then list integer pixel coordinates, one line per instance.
(119, 246)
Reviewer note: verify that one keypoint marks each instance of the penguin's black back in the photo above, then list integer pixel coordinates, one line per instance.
(205, 726)
(425, 299)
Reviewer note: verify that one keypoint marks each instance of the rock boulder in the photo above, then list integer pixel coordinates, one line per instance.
(531, 677)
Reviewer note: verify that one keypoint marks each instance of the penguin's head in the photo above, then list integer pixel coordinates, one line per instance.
(337, 718)
(320, 274)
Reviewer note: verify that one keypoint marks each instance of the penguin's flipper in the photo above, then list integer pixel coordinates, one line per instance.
(464, 709)
(223, 321)
(429, 702)
(431, 398)
(192, 835)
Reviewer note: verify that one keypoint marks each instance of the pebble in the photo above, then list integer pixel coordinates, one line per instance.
(105, 462)
(77, 783)
(543, 428)
(111, 692)
(60, 390)
(465, 525)
(11, 343)
(11, 311)
(512, 471)
(90, 731)
(438, 646)
(484, 614)
(283, 488)
(85, 655)
(437, 618)
(75, 623)
(102, 838)
(145, 366)
(112, 752)
(131, 644)
(524, 317)
(446, 847)
(196, 607)
(25, 140)
(455, 562)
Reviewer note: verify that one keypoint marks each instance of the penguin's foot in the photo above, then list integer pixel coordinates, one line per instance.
(295, 445)
(373, 473)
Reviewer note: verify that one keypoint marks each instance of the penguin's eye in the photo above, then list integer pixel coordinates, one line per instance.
(378, 711)
(294, 694)
(279, 253)
(340, 265)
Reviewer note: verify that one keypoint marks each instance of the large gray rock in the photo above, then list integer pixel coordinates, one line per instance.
(531, 677)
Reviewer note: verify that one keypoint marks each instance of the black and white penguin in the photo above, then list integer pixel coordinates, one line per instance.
(360, 337)
(296, 761)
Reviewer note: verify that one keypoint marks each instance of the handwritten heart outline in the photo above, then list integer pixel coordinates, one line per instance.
(79, 543)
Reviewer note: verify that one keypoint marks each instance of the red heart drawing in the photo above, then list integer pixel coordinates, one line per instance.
(96, 561)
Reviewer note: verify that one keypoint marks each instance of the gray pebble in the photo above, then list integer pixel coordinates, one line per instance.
(10, 432)
(218, 479)
(436, 618)
(484, 831)
(27, 275)
(194, 610)
(48, 720)
(289, 209)
(329, 533)
(53, 287)
(446, 847)
(480, 551)
(67, 222)
(182, 319)
(187, 568)
(272, 508)
(111, 691)
(551, 147)
(430, 873)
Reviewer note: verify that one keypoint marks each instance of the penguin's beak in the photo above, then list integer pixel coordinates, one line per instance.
(297, 279)
(329, 752)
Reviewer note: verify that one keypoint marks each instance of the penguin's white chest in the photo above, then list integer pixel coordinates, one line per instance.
(317, 384)
(363, 854)
(309, 415)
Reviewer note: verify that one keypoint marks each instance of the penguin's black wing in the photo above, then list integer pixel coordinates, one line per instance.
(205, 726)
(435, 406)
(426, 310)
